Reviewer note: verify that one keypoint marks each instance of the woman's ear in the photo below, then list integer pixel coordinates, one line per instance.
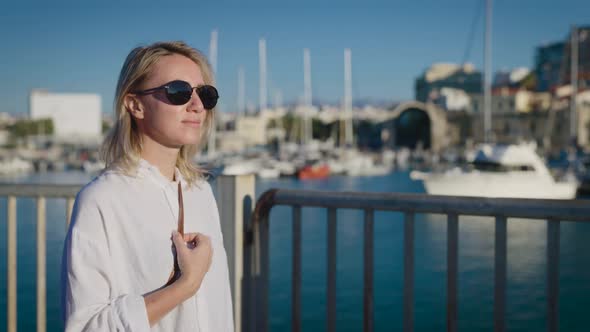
(133, 106)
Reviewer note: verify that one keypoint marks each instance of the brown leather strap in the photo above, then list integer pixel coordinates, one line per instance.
(176, 271)
(180, 210)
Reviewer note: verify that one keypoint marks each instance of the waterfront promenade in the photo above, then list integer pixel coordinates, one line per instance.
(526, 264)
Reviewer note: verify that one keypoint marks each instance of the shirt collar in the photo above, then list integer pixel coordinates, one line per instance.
(147, 170)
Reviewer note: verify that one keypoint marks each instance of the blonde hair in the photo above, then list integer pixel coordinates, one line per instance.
(122, 146)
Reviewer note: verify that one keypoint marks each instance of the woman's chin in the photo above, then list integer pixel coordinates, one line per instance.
(191, 141)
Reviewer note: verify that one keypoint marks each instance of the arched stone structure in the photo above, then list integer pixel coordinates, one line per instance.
(437, 121)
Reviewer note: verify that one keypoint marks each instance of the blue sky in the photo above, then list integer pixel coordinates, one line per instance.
(67, 47)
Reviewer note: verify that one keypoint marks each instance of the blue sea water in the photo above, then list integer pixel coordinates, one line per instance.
(526, 299)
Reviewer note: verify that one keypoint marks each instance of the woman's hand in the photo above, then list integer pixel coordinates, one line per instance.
(194, 254)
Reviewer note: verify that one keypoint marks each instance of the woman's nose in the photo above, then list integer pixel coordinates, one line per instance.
(195, 104)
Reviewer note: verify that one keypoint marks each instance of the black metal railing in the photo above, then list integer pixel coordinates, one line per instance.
(256, 254)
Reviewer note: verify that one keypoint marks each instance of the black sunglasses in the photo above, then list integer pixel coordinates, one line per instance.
(180, 92)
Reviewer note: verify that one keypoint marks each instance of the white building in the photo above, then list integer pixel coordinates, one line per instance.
(4, 136)
(441, 71)
(452, 99)
(76, 116)
(6, 119)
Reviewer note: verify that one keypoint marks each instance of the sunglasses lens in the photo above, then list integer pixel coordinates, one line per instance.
(208, 95)
(179, 92)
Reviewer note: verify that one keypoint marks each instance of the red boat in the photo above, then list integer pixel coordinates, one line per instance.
(312, 172)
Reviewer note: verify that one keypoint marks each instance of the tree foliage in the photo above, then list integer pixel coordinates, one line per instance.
(25, 128)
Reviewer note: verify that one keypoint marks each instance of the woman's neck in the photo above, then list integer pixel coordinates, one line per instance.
(164, 158)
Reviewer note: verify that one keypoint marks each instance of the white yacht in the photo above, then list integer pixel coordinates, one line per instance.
(358, 164)
(93, 166)
(353, 162)
(513, 171)
(14, 166)
(242, 167)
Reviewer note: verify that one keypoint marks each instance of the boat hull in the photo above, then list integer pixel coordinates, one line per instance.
(493, 185)
(314, 172)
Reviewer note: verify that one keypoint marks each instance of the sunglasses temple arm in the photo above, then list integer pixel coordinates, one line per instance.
(148, 91)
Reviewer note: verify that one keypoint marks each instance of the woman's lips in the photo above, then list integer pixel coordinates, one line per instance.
(192, 123)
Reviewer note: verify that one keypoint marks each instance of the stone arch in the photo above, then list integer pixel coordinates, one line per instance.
(436, 119)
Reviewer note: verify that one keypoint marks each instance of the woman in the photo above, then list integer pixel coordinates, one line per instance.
(122, 269)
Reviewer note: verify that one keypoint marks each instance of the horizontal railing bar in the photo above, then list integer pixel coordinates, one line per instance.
(570, 210)
(37, 190)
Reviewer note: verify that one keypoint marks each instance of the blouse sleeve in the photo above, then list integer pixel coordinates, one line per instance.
(87, 279)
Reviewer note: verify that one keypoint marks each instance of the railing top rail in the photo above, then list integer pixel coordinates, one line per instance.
(36, 190)
(569, 210)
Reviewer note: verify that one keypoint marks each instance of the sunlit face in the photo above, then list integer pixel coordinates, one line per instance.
(171, 125)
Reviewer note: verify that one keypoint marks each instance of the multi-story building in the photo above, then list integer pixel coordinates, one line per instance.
(548, 66)
(553, 62)
(76, 116)
(445, 75)
(583, 46)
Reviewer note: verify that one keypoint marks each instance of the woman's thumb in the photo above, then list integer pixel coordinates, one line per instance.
(178, 241)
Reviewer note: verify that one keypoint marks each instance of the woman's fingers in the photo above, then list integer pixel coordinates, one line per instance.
(189, 237)
(178, 241)
(194, 239)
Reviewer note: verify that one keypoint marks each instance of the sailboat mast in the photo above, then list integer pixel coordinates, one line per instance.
(241, 91)
(487, 78)
(307, 133)
(348, 136)
(574, 82)
(262, 68)
(213, 58)
(278, 99)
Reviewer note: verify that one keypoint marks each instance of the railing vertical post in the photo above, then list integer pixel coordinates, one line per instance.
(232, 192)
(69, 209)
(41, 265)
(331, 275)
(452, 271)
(248, 323)
(12, 267)
(409, 272)
(553, 275)
(258, 269)
(296, 286)
(500, 275)
(368, 272)
(263, 279)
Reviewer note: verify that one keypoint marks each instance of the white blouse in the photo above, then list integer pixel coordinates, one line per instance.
(119, 248)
